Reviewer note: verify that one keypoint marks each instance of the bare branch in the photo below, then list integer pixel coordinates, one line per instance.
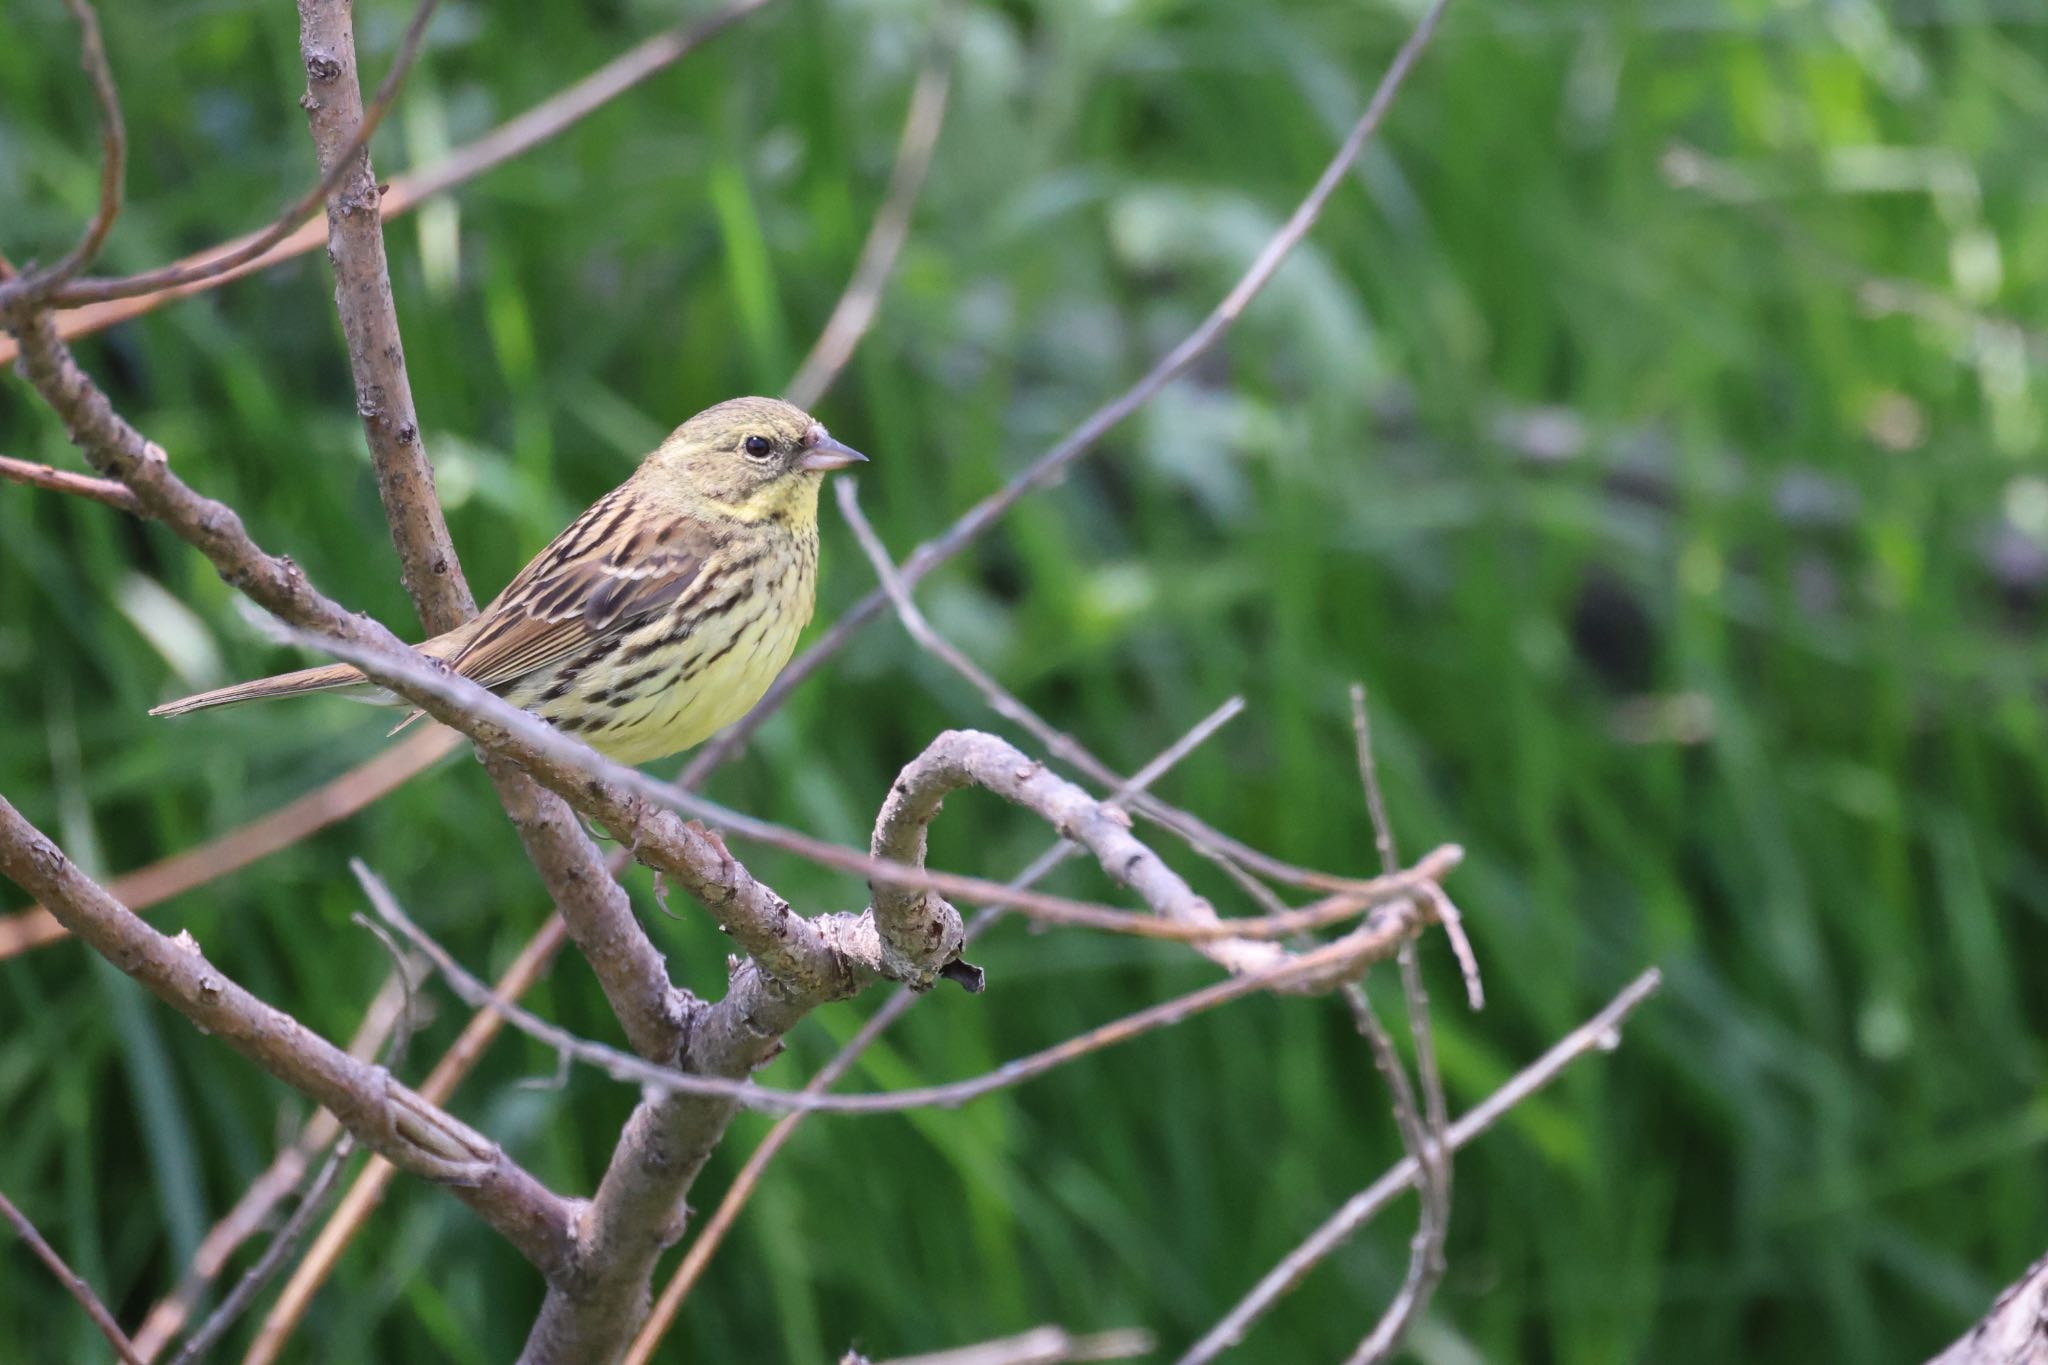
(113, 159)
(1425, 1141)
(855, 311)
(707, 1241)
(808, 952)
(984, 514)
(125, 299)
(384, 1115)
(362, 296)
(1601, 1033)
(363, 1196)
(1388, 928)
(186, 274)
(73, 1283)
(330, 802)
(112, 492)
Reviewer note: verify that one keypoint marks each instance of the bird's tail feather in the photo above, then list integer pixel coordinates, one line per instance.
(327, 678)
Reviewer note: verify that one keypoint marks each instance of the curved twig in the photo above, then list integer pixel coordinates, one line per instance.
(113, 160)
(712, 1234)
(231, 260)
(1389, 928)
(185, 274)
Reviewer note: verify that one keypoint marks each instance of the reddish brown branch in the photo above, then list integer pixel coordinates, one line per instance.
(181, 872)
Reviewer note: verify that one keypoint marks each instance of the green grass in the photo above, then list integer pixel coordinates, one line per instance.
(1824, 1140)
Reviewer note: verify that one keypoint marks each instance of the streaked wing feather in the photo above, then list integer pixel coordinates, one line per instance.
(588, 584)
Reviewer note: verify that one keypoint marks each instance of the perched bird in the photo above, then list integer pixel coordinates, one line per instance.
(664, 611)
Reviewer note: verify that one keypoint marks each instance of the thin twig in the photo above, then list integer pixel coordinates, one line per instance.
(232, 260)
(73, 1283)
(1601, 1033)
(1426, 1141)
(1389, 927)
(113, 158)
(972, 524)
(271, 1261)
(112, 492)
(855, 311)
(701, 1249)
(186, 274)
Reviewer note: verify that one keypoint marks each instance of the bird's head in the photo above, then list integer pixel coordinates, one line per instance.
(748, 459)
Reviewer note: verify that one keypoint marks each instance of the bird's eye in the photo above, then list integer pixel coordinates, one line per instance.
(759, 446)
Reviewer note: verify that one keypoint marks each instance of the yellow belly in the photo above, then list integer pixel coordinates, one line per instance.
(691, 690)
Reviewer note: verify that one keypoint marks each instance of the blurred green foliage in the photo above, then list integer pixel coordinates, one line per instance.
(1699, 591)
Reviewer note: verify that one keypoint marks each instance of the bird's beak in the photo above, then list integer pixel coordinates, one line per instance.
(828, 455)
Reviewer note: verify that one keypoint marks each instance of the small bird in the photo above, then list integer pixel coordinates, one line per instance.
(664, 611)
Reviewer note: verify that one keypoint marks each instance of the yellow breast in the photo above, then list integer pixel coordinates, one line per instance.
(685, 690)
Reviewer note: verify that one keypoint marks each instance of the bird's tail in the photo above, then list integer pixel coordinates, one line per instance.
(328, 678)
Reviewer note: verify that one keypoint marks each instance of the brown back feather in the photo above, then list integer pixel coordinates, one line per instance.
(572, 596)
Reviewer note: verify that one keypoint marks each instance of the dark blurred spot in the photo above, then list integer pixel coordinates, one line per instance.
(1613, 633)
(2018, 565)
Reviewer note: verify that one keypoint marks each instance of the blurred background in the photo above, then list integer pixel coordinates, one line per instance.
(1653, 424)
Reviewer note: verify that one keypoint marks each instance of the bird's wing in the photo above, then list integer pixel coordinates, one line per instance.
(600, 577)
